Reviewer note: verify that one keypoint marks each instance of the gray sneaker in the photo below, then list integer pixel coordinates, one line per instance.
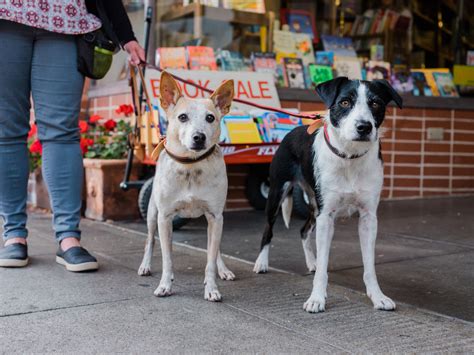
(14, 255)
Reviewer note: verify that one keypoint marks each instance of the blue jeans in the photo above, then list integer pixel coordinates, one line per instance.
(41, 65)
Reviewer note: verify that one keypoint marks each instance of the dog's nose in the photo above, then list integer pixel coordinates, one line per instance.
(199, 138)
(364, 128)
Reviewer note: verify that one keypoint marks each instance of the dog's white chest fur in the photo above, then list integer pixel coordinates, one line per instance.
(191, 190)
(347, 185)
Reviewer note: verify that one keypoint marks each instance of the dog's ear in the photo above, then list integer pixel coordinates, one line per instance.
(222, 97)
(169, 91)
(387, 92)
(329, 90)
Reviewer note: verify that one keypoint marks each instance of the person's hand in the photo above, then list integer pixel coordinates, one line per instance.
(136, 54)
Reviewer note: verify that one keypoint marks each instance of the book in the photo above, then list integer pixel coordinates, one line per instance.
(325, 58)
(171, 58)
(201, 58)
(470, 58)
(320, 73)
(242, 130)
(224, 137)
(378, 70)
(230, 61)
(280, 76)
(430, 79)
(376, 52)
(244, 5)
(444, 82)
(402, 24)
(273, 126)
(348, 66)
(401, 79)
(264, 62)
(294, 73)
(463, 75)
(284, 41)
(420, 85)
(304, 48)
(340, 46)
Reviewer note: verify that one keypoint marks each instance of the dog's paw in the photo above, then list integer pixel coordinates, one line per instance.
(226, 274)
(311, 267)
(163, 290)
(383, 302)
(260, 267)
(261, 264)
(212, 294)
(144, 270)
(315, 304)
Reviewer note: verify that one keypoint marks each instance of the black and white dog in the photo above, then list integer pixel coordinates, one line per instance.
(340, 169)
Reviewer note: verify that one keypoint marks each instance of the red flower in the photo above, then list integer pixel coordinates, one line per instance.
(95, 118)
(110, 125)
(33, 130)
(83, 126)
(127, 110)
(36, 147)
(85, 143)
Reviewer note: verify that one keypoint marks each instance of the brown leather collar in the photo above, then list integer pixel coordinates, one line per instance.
(186, 160)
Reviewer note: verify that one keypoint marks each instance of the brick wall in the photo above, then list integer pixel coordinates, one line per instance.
(414, 166)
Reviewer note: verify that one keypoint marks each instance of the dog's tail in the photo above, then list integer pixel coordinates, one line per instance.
(287, 203)
(286, 209)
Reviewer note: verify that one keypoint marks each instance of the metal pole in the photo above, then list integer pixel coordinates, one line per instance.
(126, 184)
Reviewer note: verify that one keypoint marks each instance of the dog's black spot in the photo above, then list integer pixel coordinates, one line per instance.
(348, 93)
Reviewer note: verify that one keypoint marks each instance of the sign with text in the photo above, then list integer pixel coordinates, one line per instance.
(256, 87)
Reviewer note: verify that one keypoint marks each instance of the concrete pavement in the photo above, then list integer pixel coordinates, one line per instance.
(44, 308)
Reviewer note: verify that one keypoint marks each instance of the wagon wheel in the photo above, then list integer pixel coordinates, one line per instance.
(257, 187)
(144, 200)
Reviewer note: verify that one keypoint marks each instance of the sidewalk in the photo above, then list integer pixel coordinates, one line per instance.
(44, 308)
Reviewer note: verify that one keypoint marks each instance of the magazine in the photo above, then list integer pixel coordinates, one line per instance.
(171, 58)
(348, 66)
(304, 48)
(340, 46)
(294, 73)
(420, 85)
(378, 70)
(445, 84)
(325, 58)
(401, 79)
(201, 58)
(320, 73)
(230, 61)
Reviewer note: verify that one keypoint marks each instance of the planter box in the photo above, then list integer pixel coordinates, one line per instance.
(37, 191)
(104, 197)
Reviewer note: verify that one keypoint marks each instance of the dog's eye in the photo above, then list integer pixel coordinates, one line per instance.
(183, 117)
(374, 104)
(210, 118)
(345, 103)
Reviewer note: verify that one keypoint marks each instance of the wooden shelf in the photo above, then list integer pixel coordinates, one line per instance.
(368, 36)
(468, 43)
(423, 17)
(423, 46)
(450, 6)
(446, 31)
(216, 13)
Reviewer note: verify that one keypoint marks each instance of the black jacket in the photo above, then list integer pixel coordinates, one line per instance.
(117, 17)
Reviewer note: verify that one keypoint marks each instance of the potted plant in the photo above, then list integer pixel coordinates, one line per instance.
(37, 191)
(104, 144)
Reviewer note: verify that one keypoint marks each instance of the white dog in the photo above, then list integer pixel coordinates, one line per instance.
(190, 180)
